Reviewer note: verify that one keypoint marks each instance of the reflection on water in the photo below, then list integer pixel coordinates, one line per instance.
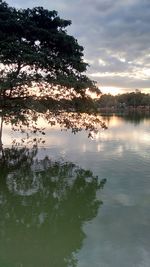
(51, 212)
(44, 205)
(29, 118)
(132, 117)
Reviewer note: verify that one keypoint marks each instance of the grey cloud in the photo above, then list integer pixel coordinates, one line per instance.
(109, 30)
(120, 82)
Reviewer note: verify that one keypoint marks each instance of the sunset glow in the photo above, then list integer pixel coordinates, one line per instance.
(110, 90)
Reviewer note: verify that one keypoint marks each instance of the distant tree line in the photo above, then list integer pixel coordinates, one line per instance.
(127, 100)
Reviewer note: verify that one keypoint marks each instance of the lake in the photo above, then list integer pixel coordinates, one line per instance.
(77, 201)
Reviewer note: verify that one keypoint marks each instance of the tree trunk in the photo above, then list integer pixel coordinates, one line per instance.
(1, 144)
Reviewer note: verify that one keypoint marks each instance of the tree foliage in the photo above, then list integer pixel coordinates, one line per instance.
(127, 100)
(35, 48)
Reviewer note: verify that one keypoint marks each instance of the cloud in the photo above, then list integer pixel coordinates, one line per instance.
(115, 35)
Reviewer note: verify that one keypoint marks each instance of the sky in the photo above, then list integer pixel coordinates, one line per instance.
(115, 35)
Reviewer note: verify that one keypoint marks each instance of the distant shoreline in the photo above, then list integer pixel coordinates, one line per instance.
(139, 109)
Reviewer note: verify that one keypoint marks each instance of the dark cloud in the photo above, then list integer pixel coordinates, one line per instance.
(115, 35)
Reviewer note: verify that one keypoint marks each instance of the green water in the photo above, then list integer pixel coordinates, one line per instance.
(76, 201)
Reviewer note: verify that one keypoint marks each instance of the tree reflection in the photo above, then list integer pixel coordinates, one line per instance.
(44, 205)
(134, 117)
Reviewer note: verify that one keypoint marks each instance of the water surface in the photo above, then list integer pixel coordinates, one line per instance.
(76, 201)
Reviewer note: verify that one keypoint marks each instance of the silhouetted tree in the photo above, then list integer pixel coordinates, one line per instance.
(36, 49)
